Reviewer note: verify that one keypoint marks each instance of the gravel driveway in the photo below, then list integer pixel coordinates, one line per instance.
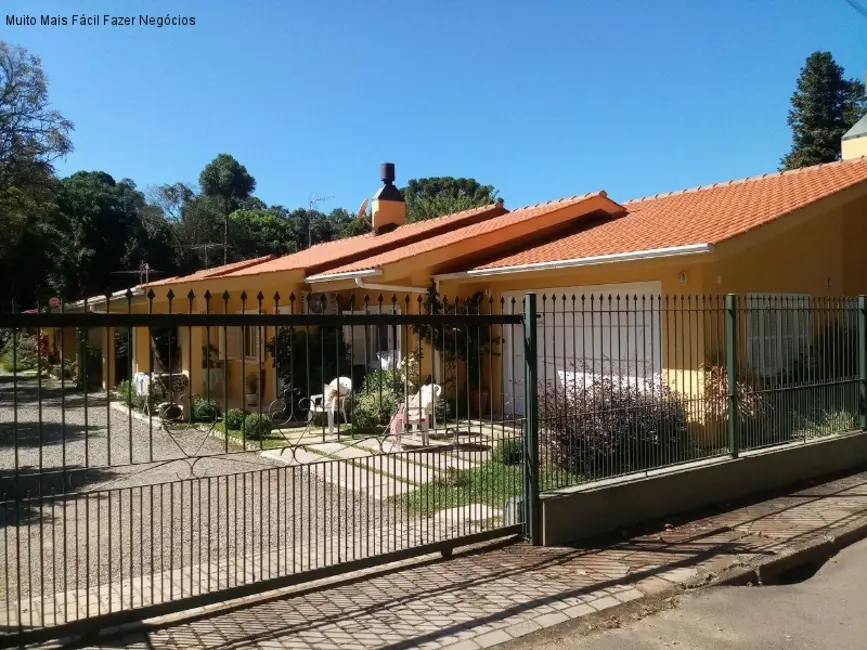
(131, 506)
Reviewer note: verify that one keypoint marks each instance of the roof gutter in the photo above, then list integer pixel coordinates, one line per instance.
(349, 275)
(390, 287)
(656, 253)
(358, 277)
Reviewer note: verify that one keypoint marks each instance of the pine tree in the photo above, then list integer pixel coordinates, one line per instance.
(824, 106)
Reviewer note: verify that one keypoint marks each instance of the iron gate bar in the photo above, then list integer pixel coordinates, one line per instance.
(45, 320)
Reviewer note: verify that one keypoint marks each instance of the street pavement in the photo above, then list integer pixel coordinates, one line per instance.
(824, 611)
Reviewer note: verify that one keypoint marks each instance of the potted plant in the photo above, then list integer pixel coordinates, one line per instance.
(252, 394)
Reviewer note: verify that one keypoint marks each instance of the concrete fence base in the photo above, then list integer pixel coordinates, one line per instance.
(598, 509)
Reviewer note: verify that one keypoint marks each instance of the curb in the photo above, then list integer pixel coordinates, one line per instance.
(811, 552)
(120, 407)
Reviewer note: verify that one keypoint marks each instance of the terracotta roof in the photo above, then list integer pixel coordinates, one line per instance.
(704, 215)
(213, 272)
(320, 256)
(467, 232)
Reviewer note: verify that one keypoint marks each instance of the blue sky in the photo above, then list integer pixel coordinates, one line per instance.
(543, 99)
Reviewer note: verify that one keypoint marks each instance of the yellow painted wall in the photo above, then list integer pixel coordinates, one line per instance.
(854, 148)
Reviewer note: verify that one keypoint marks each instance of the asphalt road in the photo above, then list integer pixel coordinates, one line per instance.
(827, 610)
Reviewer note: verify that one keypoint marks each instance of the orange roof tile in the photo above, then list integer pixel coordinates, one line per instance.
(704, 215)
(213, 272)
(320, 256)
(467, 232)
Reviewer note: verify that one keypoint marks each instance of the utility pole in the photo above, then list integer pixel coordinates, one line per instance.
(314, 201)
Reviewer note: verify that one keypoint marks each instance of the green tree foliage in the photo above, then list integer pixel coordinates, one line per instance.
(427, 198)
(106, 228)
(347, 224)
(32, 136)
(261, 232)
(824, 106)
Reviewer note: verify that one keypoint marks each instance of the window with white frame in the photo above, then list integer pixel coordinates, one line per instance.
(778, 331)
(252, 339)
(237, 342)
(372, 345)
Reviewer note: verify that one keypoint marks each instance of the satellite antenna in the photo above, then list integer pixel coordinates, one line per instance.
(144, 271)
(314, 201)
(362, 211)
(206, 248)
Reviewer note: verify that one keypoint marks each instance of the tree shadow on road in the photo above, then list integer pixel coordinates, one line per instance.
(27, 497)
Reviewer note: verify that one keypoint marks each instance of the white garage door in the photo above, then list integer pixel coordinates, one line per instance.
(597, 333)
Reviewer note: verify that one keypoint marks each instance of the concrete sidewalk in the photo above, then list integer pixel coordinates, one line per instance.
(492, 595)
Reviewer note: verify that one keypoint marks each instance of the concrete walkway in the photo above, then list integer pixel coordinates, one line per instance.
(492, 595)
(383, 467)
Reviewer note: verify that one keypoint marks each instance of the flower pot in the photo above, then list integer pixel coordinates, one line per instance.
(251, 399)
(479, 402)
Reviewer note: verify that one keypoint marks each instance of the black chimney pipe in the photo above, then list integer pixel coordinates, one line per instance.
(386, 172)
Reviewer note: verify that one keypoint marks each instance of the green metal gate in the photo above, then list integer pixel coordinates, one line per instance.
(124, 502)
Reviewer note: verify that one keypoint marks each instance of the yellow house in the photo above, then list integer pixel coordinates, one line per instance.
(635, 283)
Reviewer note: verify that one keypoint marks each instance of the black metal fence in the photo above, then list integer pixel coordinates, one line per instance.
(241, 451)
(158, 452)
(632, 383)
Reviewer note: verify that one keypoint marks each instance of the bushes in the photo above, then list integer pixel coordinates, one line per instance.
(613, 427)
(21, 353)
(373, 411)
(126, 393)
(510, 452)
(382, 393)
(378, 400)
(235, 419)
(257, 426)
(205, 410)
(66, 369)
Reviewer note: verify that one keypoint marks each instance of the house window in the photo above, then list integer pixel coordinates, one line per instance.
(373, 345)
(252, 337)
(778, 331)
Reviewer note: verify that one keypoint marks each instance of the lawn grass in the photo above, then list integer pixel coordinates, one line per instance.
(491, 484)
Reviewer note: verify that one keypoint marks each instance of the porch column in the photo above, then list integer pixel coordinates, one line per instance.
(108, 358)
(141, 345)
(192, 341)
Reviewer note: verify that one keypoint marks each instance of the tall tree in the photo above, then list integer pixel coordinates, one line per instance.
(171, 199)
(229, 182)
(32, 136)
(262, 232)
(106, 228)
(824, 106)
(427, 198)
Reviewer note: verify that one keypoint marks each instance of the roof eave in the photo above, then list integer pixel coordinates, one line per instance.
(134, 292)
(658, 253)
